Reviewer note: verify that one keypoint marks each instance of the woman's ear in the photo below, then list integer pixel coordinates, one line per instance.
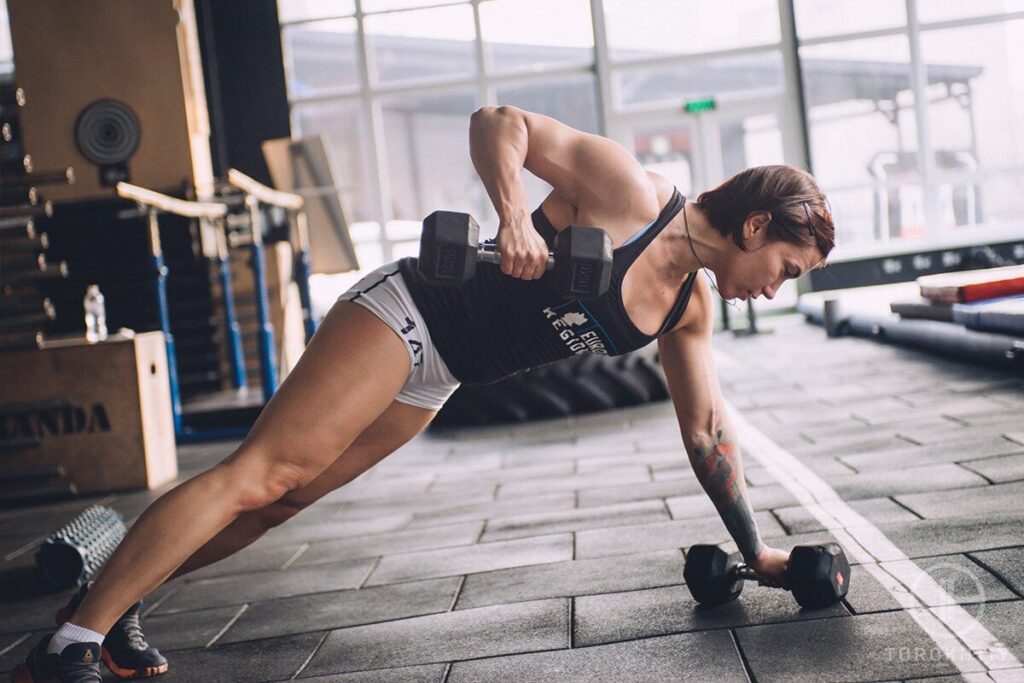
(755, 229)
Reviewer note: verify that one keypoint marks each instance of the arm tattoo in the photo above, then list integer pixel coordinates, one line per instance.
(720, 470)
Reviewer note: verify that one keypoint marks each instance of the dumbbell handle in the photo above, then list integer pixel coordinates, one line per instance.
(743, 571)
(490, 255)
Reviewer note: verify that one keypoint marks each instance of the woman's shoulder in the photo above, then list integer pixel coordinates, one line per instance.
(661, 186)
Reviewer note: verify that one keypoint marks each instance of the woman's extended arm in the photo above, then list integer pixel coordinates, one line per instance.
(708, 435)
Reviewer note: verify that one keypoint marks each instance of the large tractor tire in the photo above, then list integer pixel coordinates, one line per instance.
(582, 384)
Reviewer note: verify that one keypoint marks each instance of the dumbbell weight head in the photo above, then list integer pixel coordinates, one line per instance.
(819, 575)
(711, 576)
(448, 248)
(449, 251)
(583, 263)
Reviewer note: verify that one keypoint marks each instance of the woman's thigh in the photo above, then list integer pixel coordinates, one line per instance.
(399, 423)
(347, 377)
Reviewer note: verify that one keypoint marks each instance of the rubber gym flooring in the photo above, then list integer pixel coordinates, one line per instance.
(554, 551)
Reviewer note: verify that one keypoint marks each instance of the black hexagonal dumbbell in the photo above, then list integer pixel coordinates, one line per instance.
(581, 266)
(818, 575)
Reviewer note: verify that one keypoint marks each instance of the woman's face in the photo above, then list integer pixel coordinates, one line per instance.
(761, 270)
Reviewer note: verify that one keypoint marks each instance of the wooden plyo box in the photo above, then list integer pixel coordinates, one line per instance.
(103, 412)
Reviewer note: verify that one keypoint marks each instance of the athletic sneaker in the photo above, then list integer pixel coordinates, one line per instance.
(125, 650)
(78, 663)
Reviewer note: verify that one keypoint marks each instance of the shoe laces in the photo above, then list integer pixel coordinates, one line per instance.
(133, 631)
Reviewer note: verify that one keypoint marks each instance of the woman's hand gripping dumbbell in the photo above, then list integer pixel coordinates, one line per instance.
(818, 575)
(449, 251)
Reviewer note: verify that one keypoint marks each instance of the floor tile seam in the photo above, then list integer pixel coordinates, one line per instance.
(988, 479)
(737, 627)
(744, 662)
(302, 667)
(588, 594)
(937, 446)
(571, 623)
(917, 514)
(457, 594)
(179, 585)
(369, 572)
(991, 570)
(329, 629)
(846, 478)
(16, 643)
(805, 484)
(460, 573)
(500, 533)
(608, 508)
(778, 519)
(21, 550)
(224, 629)
(448, 663)
(295, 556)
(275, 599)
(371, 553)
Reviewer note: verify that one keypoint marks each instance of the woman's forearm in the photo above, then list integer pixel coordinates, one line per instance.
(719, 467)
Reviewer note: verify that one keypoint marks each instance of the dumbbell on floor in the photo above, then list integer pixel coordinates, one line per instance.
(818, 575)
(581, 267)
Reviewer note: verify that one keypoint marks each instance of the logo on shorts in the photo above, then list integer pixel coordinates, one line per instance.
(415, 344)
(575, 328)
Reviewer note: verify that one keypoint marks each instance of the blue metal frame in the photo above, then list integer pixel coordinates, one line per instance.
(268, 368)
(165, 314)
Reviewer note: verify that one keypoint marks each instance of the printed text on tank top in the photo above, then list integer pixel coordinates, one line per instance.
(647, 301)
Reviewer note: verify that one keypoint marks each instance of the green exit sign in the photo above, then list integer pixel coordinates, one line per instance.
(695, 106)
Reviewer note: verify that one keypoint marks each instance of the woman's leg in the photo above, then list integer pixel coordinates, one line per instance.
(395, 427)
(352, 370)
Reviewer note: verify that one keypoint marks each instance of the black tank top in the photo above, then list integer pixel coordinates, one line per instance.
(496, 325)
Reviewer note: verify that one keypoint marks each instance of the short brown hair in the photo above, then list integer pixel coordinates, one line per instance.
(799, 210)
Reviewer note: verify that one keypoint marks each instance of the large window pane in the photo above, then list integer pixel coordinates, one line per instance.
(298, 10)
(345, 133)
(428, 164)
(749, 141)
(942, 10)
(724, 76)
(976, 121)
(646, 28)
(570, 100)
(815, 18)
(515, 41)
(863, 134)
(666, 147)
(321, 57)
(421, 45)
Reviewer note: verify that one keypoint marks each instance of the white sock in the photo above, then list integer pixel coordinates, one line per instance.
(69, 633)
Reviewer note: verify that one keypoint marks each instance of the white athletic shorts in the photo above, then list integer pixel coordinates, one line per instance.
(384, 293)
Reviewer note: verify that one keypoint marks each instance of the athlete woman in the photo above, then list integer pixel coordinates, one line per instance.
(392, 350)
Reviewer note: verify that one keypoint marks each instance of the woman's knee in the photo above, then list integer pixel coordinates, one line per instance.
(259, 484)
